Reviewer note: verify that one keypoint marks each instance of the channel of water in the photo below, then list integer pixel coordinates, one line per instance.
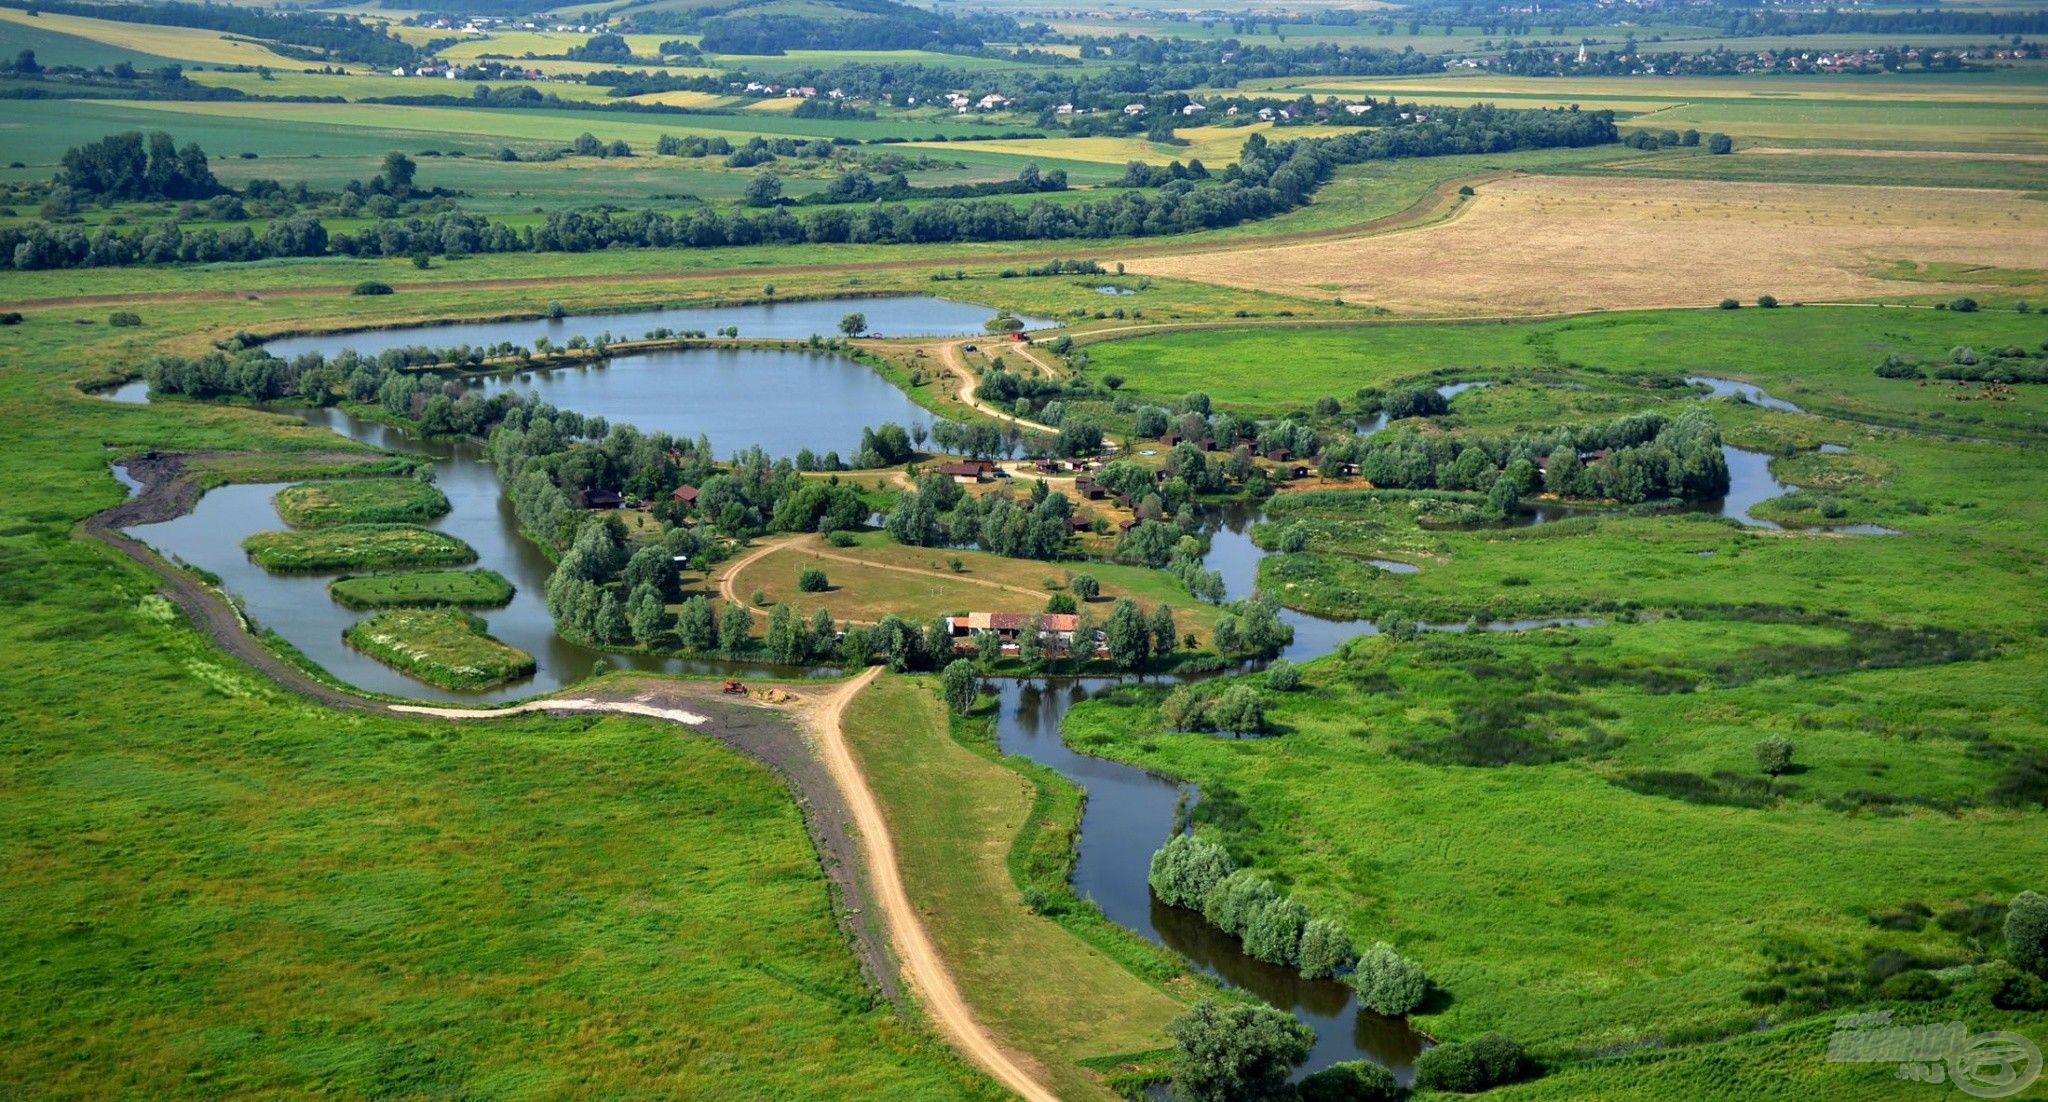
(1128, 811)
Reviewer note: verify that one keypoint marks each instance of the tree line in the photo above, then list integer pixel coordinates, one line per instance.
(1270, 178)
(305, 35)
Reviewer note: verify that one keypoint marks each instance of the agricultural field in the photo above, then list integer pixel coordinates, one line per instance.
(187, 44)
(417, 588)
(1617, 237)
(441, 646)
(364, 501)
(356, 547)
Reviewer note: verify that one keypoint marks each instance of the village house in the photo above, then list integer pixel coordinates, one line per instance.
(599, 499)
(969, 470)
(684, 495)
(1054, 630)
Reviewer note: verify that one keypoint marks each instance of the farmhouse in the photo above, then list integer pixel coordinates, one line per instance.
(686, 495)
(969, 470)
(599, 499)
(1054, 630)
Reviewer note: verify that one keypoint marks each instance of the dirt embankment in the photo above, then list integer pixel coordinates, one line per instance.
(766, 734)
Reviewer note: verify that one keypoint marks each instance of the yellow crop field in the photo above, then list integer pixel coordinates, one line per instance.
(1550, 244)
(683, 99)
(520, 43)
(1212, 145)
(182, 43)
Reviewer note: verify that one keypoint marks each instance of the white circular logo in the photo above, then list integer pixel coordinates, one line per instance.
(1994, 1065)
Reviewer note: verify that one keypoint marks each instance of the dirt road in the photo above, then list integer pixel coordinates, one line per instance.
(955, 361)
(922, 966)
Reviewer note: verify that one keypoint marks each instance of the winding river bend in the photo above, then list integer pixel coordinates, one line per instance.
(782, 402)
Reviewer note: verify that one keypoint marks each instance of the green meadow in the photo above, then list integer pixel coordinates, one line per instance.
(364, 501)
(442, 646)
(458, 588)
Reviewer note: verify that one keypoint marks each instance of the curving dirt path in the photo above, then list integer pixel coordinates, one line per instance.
(955, 361)
(922, 966)
(726, 588)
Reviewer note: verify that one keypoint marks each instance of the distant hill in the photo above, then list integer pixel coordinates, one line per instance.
(777, 26)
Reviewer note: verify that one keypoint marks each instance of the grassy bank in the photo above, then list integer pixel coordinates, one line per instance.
(356, 547)
(442, 646)
(360, 501)
(955, 815)
(423, 588)
(201, 865)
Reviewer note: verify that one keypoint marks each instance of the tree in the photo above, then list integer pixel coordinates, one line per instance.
(1350, 1081)
(1240, 710)
(2026, 931)
(611, 625)
(1184, 709)
(960, 686)
(1165, 634)
(1720, 143)
(1274, 933)
(1186, 868)
(1387, 982)
(1768, 302)
(734, 626)
(812, 580)
(696, 628)
(1236, 1053)
(1060, 603)
(1774, 754)
(1283, 676)
(1085, 587)
(645, 612)
(854, 324)
(1236, 899)
(1325, 949)
(763, 190)
(1130, 639)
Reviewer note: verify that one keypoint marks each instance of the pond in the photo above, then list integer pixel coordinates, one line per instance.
(783, 400)
(893, 315)
(1729, 388)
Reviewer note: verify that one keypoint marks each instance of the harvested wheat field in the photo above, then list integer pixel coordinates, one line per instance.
(1544, 244)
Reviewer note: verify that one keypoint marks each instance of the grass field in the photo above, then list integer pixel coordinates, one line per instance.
(356, 547)
(459, 588)
(955, 814)
(1820, 357)
(200, 865)
(441, 646)
(918, 583)
(1214, 146)
(1616, 237)
(179, 43)
(363, 501)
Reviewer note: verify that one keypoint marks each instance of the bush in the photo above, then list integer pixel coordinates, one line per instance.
(840, 538)
(1350, 1081)
(124, 319)
(1768, 302)
(1235, 899)
(370, 287)
(1186, 869)
(1730, 304)
(2026, 932)
(11, 317)
(1963, 305)
(1283, 676)
(2008, 988)
(1449, 1067)
(1720, 143)
(812, 580)
(1467, 1068)
(1773, 754)
(1325, 949)
(1915, 985)
(1274, 933)
(1235, 1053)
(1387, 982)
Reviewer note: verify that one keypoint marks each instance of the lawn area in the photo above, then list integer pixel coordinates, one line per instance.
(955, 814)
(459, 588)
(878, 576)
(1820, 357)
(441, 646)
(356, 547)
(360, 501)
(1621, 933)
(219, 889)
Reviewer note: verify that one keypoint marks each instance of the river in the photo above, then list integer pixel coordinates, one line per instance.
(1128, 812)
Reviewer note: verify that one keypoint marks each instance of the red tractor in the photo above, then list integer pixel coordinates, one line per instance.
(733, 688)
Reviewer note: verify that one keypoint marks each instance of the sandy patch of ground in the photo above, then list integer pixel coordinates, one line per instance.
(1545, 244)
